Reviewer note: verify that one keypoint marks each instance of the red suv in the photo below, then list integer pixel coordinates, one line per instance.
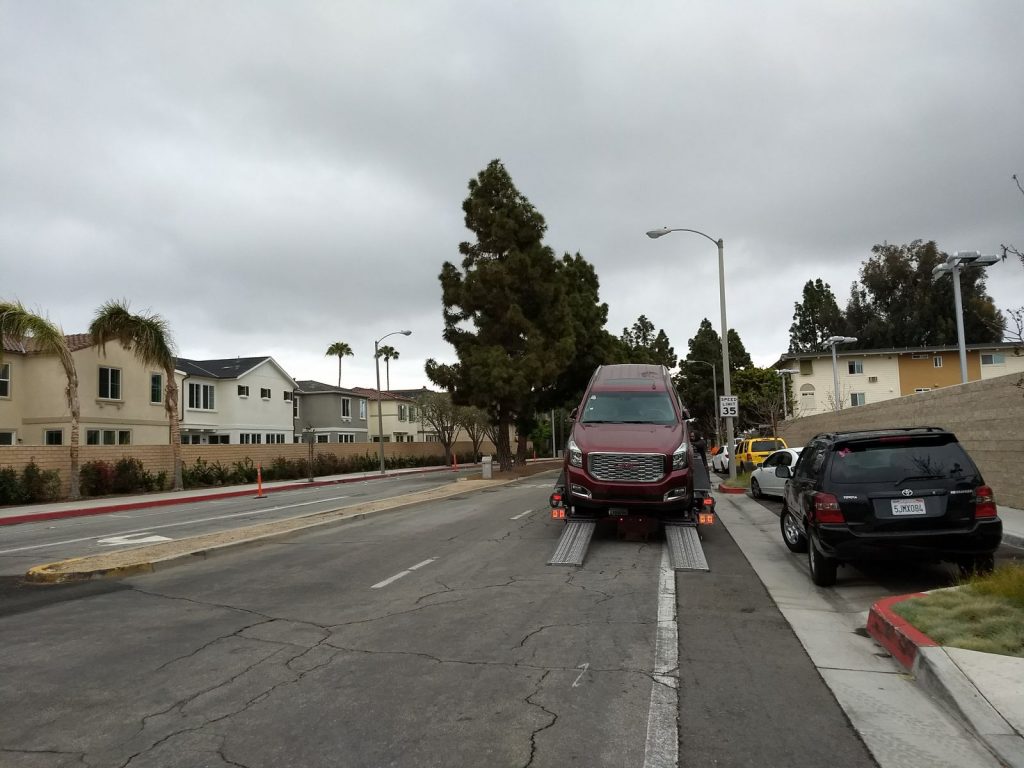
(629, 450)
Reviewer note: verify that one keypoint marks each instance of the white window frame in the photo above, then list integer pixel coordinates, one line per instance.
(287, 396)
(197, 392)
(265, 393)
(919, 390)
(322, 437)
(295, 408)
(243, 391)
(362, 410)
(346, 437)
(855, 367)
(48, 432)
(994, 358)
(937, 361)
(346, 409)
(158, 379)
(5, 380)
(13, 436)
(111, 384)
(919, 356)
(855, 396)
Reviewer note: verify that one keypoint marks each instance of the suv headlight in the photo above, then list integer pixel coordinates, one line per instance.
(575, 454)
(679, 457)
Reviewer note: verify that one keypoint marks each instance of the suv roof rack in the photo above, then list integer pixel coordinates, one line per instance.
(880, 431)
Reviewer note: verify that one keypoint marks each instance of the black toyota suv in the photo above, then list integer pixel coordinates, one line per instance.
(906, 493)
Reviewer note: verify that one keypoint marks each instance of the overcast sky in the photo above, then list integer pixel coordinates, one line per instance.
(273, 177)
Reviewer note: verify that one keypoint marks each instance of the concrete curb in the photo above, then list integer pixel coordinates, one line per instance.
(722, 488)
(1013, 539)
(937, 673)
(33, 517)
(150, 560)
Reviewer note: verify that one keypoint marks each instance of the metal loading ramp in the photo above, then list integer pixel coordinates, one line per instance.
(684, 550)
(572, 547)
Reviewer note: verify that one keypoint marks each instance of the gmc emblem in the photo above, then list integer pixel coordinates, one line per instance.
(626, 465)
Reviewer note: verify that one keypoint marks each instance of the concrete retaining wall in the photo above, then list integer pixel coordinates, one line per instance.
(987, 416)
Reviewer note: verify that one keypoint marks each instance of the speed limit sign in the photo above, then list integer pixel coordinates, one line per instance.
(728, 406)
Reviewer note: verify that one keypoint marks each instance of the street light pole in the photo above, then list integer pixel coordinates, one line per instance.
(833, 340)
(727, 379)
(380, 415)
(952, 265)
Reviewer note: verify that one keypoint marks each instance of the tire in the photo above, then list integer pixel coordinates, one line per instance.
(791, 536)
(823, 569)
(755, 489)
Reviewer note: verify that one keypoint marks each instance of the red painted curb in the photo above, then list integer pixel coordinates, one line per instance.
(727, 489)
(895, 633)
(33, 517)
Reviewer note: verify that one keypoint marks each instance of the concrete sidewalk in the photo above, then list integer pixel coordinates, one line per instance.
(60, 509)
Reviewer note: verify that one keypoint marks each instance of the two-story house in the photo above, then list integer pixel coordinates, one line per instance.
(241, 400)
(331, 414)
(873, 375)
(121, 400)
(399, 415)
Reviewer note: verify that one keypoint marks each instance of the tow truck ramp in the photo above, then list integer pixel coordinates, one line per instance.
(572, 547)
(684, 550)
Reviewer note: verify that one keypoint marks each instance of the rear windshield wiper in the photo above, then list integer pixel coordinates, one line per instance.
(921, 477)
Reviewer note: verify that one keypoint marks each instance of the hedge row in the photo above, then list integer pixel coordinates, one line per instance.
(32, 486)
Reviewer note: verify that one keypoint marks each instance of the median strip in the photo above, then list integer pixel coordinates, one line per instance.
(154, 557)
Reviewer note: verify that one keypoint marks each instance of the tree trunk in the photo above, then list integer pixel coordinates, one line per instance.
(339, 371)
(504, 451)
(521, 449)
(76, 491)
(171, 405)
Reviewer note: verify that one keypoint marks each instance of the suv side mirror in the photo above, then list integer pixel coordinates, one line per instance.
(783, 472)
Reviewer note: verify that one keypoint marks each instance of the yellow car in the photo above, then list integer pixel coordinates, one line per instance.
(754, 450)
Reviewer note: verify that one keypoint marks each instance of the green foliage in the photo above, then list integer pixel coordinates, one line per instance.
(34, 486)
(815, 318)
(10, 487)
(128, 475)
(695, 379)
(760, 394)
(643, 345)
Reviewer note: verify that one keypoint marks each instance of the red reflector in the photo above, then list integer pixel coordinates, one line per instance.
(709, 501)
(984, 502)
(826, 509)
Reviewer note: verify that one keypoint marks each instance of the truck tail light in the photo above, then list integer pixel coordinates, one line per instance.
(826, 509)
(984, 502)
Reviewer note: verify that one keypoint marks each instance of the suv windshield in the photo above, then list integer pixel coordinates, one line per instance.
(894, 462)
(629, 408)
(758, 446)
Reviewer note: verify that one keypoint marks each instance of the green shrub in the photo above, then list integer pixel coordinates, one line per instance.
(244, 471)
(11, 491)
(39, 485)
(96, 478)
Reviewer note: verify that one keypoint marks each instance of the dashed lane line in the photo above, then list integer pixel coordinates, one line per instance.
(521, 514)
(400, 574)
(661, 749)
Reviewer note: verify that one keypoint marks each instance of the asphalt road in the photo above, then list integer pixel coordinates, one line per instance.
(433, 636)
(28, 544)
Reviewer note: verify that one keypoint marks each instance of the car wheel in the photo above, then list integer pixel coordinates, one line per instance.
(755, 489)
(791, 535)
(823, 569)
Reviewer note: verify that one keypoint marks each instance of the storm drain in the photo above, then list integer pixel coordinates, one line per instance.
(572, 547)
(684, 550)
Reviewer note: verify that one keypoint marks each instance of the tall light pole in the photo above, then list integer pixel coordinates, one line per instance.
(380, 415)
(833, 340)
(727, 380)
(714, 395)
(783, 372)
(953, 265)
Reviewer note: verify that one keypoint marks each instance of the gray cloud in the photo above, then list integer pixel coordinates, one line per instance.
(273, 178)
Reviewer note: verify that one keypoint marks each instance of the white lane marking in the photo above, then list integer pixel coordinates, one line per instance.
(132, 538)
(521, 514)
(661, 749)
(584, 666)
(400, 574)
(172, 525)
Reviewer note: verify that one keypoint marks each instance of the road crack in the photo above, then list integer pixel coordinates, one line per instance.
(537, 731)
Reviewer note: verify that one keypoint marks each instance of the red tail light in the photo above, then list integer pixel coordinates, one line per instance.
(826, 509)
(984, 502)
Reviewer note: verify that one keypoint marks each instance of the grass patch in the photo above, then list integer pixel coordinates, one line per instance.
(985, 614)
(742, 480)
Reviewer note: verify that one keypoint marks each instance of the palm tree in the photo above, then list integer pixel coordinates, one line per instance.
(149, 337)
(389, 353)
(18, 323)
(341, 349)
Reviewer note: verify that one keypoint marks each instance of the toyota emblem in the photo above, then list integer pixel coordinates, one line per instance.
(907, 492)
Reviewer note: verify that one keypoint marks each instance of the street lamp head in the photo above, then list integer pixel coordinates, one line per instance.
(656, 233)
(787, 371)
(831, 340)
(406, 333)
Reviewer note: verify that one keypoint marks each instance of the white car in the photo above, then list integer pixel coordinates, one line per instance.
(763, 481)
(720, 461)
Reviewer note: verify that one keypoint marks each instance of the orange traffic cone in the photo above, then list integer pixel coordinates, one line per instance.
(259, 482)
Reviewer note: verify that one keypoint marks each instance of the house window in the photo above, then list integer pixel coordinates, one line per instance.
(993, 359)
(6, 438)
(124, 437)
(243, 390)
(5, 380)
(806, 367)
(403, 412)
(287, 395)
(937, 361)
(265, 393)
(219, 439)
(250, 438)
(412, 413)
(274, 438)
(295, 408)
(322, 438)
(919, 356)
(857, 398)
(156, 388)
(856, 366)
(362, 410)
(200, 397)
(108, 437)
(110, 383)
(346, 438)
(53, 437)
(408, 438)
(346, 408)
(919, 390)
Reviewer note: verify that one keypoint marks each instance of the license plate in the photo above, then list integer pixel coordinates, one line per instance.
(906, 507)
(618, 511)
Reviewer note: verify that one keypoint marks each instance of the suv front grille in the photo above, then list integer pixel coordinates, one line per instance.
(627, 467)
